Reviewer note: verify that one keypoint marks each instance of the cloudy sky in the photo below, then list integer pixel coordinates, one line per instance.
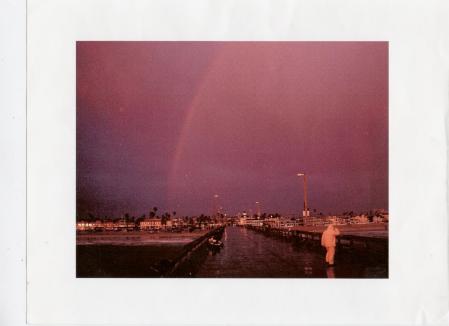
(170, 124)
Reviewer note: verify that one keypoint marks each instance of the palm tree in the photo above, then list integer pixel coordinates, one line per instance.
(164, 218)
(91, 217)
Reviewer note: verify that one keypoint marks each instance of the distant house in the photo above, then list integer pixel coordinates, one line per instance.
(125, 225)
(85, 225)
(252, 222)
(360, 219)
(272, 222)
(176, 222)
(98, 225)
(150, 224)
(109, 225)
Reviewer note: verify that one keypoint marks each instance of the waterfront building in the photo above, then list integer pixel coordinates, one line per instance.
(109, 225)
(253, 222)
(85, 225)
(124, 225)
(360, 219)
(175, 222)
(150, 224)
(272, 222)
(98, 225)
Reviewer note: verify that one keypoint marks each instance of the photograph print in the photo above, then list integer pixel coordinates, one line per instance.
(231, 159)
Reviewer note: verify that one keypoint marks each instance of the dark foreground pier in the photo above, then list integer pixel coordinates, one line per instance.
(246, 253)
(135, 258)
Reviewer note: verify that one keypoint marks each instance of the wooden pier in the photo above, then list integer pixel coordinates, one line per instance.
(352, 250)
(179, 265)
(350, 247)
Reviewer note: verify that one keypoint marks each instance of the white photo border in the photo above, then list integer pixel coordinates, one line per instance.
(417, 287)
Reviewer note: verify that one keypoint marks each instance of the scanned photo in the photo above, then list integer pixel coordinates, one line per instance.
(232, 159)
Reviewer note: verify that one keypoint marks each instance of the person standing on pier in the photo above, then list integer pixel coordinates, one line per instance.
(328, 240)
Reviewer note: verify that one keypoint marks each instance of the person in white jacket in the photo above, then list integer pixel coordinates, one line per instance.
(328, 240)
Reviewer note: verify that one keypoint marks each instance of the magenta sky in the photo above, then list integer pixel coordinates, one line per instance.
(170, 124)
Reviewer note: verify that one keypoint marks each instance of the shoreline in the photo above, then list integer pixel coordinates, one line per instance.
(137, 238)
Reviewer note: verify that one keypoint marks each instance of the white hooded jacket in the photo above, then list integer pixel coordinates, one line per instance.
(328, 237)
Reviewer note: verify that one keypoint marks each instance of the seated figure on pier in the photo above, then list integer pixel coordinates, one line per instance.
(328, 240)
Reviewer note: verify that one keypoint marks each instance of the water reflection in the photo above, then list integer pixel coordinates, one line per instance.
(330, 272)
(308, 271)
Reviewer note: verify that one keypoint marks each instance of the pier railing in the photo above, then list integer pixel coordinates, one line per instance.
(187, 252)
(370, 248)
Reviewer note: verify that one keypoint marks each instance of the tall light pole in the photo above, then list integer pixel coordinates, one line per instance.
(306, 211)
(216, 207)
(258, 209)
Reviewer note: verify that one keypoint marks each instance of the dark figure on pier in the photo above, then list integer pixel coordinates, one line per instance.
(328, 240)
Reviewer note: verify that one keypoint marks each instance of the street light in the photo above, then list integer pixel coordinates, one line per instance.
(258, 209)
(216, 207)
(306, 211)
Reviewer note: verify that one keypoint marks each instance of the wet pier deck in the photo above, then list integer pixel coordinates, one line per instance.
(247, 253)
